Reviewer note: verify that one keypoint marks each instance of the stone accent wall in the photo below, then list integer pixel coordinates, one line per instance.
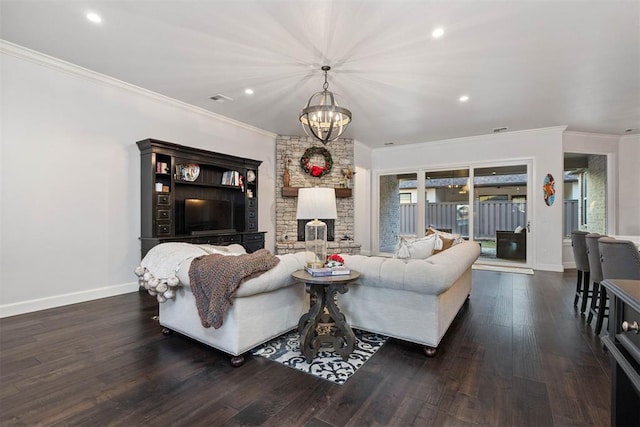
(389, 208)
(289, 150)
(596, 194)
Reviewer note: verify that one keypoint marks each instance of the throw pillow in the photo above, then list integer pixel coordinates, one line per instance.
(518, 229)
(446, 244)
(419, 248)
(457, 238)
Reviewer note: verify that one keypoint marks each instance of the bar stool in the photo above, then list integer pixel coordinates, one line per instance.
(578, 242)
(598, 300)
(620, 259)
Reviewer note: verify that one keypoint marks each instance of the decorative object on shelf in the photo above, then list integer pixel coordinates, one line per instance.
(251, 176)
(322, 117)
(162, 167)
(286, 175)
(316, 202)
(188, 172)
(334, 260)
(549, 189)
(316, 170)
(348, 175)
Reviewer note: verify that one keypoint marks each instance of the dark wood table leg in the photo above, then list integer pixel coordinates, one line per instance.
(345, 338)
(340, 336)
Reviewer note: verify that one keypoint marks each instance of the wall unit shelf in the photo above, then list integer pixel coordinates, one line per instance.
(171, 173)
(293, 192)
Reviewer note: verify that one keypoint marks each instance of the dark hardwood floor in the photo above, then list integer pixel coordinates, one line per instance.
(517, 355)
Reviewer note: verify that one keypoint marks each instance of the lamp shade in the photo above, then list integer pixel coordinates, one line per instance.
(317, 203)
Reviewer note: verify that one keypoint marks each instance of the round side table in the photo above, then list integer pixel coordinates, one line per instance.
(324, 325)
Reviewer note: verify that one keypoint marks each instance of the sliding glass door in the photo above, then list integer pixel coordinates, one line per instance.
(500, 212)
(487, 203)
(446, 195)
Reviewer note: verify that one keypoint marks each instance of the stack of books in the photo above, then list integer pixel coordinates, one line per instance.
(328, 271)
(231, 178)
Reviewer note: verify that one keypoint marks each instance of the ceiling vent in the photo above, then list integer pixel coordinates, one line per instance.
(501, 129)
(220, 98)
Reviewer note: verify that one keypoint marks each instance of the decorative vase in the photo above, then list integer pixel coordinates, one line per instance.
(286, 178)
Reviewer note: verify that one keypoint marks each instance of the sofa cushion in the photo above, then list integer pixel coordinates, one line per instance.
(419, 248)
(446, 244)
(447, 240)
(457, 238)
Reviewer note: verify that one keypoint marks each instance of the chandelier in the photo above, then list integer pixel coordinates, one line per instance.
(323, 118)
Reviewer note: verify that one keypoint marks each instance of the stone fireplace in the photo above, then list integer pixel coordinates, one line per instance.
(289, 150)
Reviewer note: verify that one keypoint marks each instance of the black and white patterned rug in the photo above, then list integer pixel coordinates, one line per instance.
(327, 364)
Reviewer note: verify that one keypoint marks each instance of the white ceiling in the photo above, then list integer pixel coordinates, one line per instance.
(524, 64)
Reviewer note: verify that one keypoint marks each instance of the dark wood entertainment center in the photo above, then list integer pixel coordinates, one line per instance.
(172, 173)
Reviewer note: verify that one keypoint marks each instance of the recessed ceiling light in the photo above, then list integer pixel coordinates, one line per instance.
(437, 33)
(464, 98)
(94, 17)
(248, 91)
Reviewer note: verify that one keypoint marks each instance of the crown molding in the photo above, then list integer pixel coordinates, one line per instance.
(592, 134)
(472, 139)
(42, 59)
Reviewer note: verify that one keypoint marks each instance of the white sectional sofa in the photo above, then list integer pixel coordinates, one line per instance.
(414, 300)
(264, 307)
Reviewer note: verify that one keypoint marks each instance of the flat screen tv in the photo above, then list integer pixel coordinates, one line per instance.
(204, 215)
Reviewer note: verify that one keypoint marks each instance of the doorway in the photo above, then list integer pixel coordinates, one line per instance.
(501, 214)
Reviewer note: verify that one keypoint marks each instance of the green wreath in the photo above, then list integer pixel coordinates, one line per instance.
(316, 170)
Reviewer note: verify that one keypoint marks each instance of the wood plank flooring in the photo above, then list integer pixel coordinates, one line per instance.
(518, 354)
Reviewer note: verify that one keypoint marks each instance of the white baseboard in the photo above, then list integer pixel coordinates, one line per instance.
(558, 268)
(30, 306)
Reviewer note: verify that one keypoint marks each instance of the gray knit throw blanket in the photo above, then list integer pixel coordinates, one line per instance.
(215, 279)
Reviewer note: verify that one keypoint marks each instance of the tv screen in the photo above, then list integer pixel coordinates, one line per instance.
(202, 215)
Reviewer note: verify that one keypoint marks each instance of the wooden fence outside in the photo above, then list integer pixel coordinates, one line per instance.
(491, 216)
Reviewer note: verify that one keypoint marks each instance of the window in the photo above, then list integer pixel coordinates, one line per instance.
(405, 198)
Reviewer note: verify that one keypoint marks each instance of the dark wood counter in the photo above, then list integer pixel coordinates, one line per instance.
(623, 343)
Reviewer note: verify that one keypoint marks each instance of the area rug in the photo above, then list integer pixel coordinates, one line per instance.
(327, 365)
(519, 270)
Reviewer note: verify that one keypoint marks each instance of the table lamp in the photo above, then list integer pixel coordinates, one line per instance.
(316, 202)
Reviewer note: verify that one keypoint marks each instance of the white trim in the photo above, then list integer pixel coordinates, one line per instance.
(558, 268)
(29, 306)
(64, 66)
(475, 139)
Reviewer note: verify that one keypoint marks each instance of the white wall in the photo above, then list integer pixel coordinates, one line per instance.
(629, 186)
(70, 177)
(362, 197)
(542, 146)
